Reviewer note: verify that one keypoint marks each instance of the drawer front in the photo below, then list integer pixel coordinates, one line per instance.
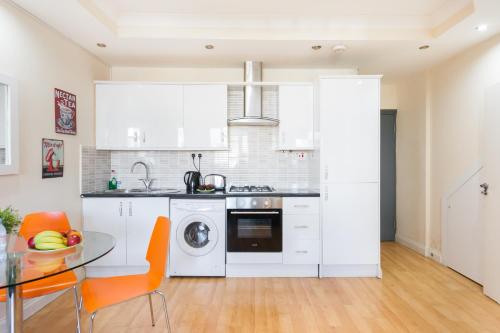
(301, 251)
(300, 206)
(300, 227)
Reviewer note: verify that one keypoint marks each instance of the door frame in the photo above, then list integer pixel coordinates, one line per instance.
(395, 113)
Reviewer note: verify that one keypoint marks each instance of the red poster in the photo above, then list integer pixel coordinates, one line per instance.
(65, 112)
(52, 158)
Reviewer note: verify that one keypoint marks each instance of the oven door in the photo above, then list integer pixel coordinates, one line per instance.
(254, 230)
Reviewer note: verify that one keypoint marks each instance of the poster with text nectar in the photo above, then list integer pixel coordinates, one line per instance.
(65, 112)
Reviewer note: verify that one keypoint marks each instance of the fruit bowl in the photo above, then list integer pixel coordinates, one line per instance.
(53, 241)
(205, 191)
(206, 188)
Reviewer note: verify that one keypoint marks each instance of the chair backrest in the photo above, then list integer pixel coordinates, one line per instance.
(38, 222)
(158, 250)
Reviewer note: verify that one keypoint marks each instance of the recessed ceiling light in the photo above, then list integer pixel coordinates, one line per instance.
(424, 47)
(209, 47)
(316, 47)
(481, 27)
(339, 48)
(101, 45)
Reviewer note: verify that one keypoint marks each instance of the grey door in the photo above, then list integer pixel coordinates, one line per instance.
(388, 175)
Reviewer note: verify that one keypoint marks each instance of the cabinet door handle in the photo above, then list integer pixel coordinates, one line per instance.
(144, 137)
(129, 208)
(302, 252)
(136, 136)
(326, 172)
(120, 210)
(301, 206)
(301, 227)
(222, 137)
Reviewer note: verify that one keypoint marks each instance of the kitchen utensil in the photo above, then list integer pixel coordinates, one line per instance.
(218, 181)
(192, 179)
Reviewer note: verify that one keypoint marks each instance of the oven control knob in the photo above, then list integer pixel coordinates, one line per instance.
(254, 203)
(267, 203)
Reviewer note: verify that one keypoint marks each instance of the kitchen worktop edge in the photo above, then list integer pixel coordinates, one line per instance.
(215, 195)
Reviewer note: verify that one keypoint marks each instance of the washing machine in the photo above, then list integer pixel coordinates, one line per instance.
(198, 237)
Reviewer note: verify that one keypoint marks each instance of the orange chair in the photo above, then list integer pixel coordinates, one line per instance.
(99, 293)
(33, 224)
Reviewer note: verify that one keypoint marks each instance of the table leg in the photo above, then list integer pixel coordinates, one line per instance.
(14, 310)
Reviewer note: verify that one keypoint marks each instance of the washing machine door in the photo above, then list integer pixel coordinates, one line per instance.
(197, 235)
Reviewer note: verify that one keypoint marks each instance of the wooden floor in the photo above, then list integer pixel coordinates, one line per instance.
(415, 295)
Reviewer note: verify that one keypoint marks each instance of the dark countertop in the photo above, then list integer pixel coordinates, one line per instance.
(182, 194)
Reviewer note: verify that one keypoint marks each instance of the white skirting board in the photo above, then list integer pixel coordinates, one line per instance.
(105, 271)
(271, 270)
(350, 271)
(410, 243)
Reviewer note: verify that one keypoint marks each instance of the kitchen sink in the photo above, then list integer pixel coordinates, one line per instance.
(154, 190)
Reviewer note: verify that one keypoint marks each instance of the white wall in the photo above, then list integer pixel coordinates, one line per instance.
(457, 103)
(439, 126)
(410, 160)
(41, 59)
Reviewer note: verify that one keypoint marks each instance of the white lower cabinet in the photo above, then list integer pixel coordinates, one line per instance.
(301, 241)
(129, 220)
(301, 226)
(351, 224)
(301, 251)
(106, 215)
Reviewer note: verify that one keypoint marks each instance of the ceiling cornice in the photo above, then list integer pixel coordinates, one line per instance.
(277, 27)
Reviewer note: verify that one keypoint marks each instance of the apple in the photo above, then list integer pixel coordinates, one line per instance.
(31, 242)
(73, 240)
(73, 232)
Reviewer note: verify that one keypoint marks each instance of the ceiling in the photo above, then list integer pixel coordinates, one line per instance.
(381, 36)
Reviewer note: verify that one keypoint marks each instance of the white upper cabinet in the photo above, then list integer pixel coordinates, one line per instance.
(138, 116)
(205, 117)
(161, 116)
(296, 114)
(350, 129)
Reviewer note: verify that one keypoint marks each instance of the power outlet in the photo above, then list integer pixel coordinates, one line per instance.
(301, 156)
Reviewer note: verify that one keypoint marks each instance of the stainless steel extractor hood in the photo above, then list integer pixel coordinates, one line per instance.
(252, 112)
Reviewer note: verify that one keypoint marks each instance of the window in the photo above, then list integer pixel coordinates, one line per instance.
(9, 145)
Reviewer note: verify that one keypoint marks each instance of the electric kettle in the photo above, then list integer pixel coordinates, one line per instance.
(192, 179)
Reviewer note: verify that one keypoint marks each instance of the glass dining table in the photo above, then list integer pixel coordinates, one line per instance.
(20, 264)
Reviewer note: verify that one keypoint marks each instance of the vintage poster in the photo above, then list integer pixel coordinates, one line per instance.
(65, 112)
(52, 158)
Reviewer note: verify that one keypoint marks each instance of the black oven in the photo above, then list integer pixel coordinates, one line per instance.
(254, 224)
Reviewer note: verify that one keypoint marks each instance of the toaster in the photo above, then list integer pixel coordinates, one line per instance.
(218, 181)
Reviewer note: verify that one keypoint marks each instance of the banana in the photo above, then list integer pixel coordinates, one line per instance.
(49, 246)
(49, 239)
(48, 233)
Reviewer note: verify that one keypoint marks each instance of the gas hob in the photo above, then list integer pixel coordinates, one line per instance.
(251, 189)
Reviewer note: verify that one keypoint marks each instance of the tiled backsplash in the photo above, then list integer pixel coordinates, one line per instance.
(95, 169)
(251, 159)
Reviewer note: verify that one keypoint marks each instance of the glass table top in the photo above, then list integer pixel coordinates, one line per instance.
(19, 264)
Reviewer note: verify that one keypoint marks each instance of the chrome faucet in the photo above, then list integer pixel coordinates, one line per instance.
(147, 181)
